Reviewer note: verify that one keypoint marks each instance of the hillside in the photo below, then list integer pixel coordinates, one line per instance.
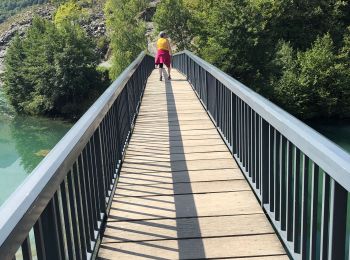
(19, 23)
(9, 8)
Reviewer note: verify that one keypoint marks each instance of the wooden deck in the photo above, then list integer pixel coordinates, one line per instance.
(180, 194)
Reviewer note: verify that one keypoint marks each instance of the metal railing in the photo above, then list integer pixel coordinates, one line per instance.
(301, 178)
(59, 210)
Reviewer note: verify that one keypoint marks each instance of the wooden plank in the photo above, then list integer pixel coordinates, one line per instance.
(180, 193)
(182, 188)
(186, 228)
(177, 143)
(134, 156)
(128, 177)
(172, 124)
(151, 138)
(180, 206)
(177, 127)
(175, 133)
(182, 150)
(181, 165)
(241, 246)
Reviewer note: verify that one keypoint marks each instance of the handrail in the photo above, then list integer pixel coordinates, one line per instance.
(20, 213)
(301, 178)
(332, 159)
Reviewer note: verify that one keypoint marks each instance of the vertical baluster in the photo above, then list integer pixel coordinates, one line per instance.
(60, 224)
(39, 240)
(107, 177)
(290, 191)
(247, 135)
(297, 200)
(86, 196)
(67, 220)
(47, 234)
(325, 216)
(227, 115)
(99, 182)
(244, 135)
(254, 138)
(239, 129)
(92, 171)
(230, 117)
(77, 233)
(206, 85)
(234, 123)
(116, 135)
(304, 208)
(316, 202)
(337, 221)
(258, 143)
(264, 158)
(276, 172)
(283, 182)
(89, 192)
(249, 139)
(26, 249)
(82, 209)
(109, 153)
(100, 170)
(256, 155)
(271, 172)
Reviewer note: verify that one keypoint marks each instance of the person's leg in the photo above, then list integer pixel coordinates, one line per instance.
(160, 71)
(169, 72)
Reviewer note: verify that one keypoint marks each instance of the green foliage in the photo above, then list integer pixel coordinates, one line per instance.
(314, 83)
(11, 7)
(71, 12)
(126, 31)
(296, 53)
(52, 71)
(173, 17)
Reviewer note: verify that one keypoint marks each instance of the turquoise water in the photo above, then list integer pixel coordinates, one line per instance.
(24, 142)
(339, 133)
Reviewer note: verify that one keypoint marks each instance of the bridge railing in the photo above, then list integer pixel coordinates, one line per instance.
(59, 210)
(301, 178)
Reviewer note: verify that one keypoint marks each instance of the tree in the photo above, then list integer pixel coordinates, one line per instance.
(270, 46)
(173, 17)
(52, 71)
(314, 83)
(126, 31)
(71, 12)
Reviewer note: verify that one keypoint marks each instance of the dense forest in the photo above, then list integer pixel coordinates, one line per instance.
(11, 7)
(296, 53)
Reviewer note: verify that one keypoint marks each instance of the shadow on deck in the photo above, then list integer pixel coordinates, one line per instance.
(180, 194)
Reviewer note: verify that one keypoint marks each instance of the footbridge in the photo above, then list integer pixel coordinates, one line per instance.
(199, 167)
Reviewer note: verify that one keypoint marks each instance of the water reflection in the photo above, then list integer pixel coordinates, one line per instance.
(24, 142)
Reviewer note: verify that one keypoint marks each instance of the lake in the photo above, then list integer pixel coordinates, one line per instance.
(24, 142)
